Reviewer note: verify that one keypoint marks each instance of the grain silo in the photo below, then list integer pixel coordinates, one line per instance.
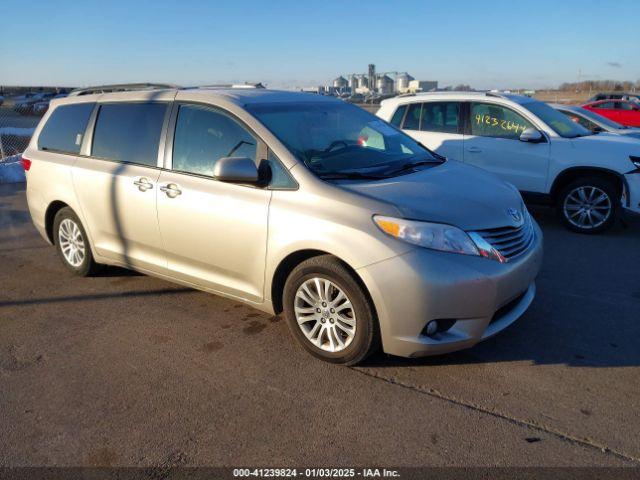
(384, 85)
(402, 82)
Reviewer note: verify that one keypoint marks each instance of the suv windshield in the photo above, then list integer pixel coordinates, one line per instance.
(558, 122)
(336, 139)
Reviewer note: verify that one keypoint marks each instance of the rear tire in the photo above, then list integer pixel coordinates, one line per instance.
(329, 313)
(72, 243)
(589, 205)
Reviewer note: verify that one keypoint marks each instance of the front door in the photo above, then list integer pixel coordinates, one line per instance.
(494, 144)
(608, 110)
(628, 113)
(214, 233)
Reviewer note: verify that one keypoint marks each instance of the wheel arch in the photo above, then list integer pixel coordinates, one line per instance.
(50, 215)
(570, 174)
(293, 259)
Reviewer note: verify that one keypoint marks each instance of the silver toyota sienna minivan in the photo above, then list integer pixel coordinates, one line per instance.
(288, 202)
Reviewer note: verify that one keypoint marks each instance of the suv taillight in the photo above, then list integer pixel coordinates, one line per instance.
(26, 163)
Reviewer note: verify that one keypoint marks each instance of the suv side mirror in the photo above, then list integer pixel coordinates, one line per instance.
(531, 135)
(236, 170)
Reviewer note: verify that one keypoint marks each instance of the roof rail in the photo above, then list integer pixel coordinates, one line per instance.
(495, 94)
(412, 94)
(233, 85)
(122, 87)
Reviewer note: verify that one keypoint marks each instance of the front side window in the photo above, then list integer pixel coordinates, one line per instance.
(279, 177)
(491, 120)
(129, 132)
(625, 106)
(65, 128)
(440, 117)
(605, 105)
(204, 135)
(336, 138)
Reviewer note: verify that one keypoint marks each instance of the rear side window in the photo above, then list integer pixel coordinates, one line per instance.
(65, 128)
(606, 105)
(203, 136)
(412, 120)
(440, 117)
(129, 132)
(397, 117)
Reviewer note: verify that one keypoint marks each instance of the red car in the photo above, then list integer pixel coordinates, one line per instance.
(622, 111)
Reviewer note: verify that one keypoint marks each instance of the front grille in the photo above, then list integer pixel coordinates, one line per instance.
(510, 241)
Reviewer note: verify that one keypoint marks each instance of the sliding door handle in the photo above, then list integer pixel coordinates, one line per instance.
(171, 189)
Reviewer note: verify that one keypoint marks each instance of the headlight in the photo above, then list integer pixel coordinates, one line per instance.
(436, 236)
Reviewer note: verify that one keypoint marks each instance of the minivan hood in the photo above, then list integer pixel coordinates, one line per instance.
(452, 193)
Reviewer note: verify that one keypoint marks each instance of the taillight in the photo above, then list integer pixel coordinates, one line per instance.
(26, 163)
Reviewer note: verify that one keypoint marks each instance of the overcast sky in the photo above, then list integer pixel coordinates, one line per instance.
(490, 44)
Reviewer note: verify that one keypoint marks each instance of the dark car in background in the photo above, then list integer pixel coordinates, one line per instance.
(41, 107)
(632, 96)
(25, 103)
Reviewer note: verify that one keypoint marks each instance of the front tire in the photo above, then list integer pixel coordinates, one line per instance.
(589, 205)
(72, 243)
(329, 313)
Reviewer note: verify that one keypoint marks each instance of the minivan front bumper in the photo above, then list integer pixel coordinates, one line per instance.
(481, 296)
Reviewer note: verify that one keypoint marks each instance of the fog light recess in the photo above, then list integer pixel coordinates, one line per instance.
(431, 329)
(434, 327)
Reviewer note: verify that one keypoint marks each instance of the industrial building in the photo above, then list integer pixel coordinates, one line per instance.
(376, 84)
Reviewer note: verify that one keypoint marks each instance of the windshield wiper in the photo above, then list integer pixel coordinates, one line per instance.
(412, 165)
(349, 176)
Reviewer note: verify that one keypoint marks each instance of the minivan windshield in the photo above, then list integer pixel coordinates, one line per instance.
(557, 121)
(339, 140)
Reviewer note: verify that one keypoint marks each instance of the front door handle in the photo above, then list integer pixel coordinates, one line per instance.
(171, 189)
(474, 150)
(143, 184)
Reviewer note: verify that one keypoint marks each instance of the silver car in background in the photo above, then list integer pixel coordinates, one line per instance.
(594, 122)
(290, 203)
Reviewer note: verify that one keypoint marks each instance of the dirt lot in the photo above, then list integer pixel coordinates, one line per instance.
(124, 369)
(569, 97)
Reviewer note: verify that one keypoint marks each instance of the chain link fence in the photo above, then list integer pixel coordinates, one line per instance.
(20, 112)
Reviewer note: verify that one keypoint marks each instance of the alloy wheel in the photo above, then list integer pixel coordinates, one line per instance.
(71, 242)
(325, 314)
(587, 207)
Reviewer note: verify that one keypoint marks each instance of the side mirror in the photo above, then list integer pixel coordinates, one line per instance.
(236, 170)
(531, 135)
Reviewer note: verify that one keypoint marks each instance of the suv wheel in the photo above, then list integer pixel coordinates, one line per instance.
(589, 205)
(72, 243)
(328, 311)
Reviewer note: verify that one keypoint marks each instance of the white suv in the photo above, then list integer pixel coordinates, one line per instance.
(550, 159)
